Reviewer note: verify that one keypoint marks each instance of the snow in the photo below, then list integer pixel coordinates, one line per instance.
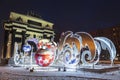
(21, 73)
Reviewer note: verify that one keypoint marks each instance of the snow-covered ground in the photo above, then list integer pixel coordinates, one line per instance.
(20, 73)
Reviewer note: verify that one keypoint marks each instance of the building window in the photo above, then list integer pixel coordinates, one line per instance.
(40, 37)
(34, 36)
(114, 34)
(45, 36)
(113, 29)
(17, 39)
(34, 23)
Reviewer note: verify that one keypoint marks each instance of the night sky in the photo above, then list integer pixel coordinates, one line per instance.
(74, 15)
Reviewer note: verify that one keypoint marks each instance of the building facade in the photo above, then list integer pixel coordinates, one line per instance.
(20, 28)
(112, 33)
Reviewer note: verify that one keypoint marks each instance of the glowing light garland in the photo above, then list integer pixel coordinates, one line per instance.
(86, 48)
(72, 50)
